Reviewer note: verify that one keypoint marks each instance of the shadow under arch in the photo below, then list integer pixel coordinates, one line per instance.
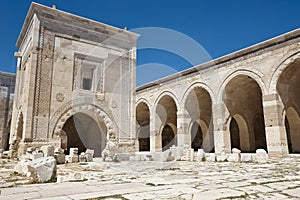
(242, 97)
(143, 126)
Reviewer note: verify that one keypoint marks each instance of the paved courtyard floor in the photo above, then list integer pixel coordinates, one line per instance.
(278, 179)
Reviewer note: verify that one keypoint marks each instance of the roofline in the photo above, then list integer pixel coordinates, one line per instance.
(34, 5)
(242, 52)
(7, 73)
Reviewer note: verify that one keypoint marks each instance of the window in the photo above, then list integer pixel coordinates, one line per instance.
(87, 77)
(88, 73)
(87, 84)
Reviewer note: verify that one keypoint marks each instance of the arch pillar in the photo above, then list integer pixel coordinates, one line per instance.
(183, 134)
(221, 135)
(275, 129)
(153, 132)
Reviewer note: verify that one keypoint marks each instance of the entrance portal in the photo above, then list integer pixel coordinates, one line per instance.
(85, 132)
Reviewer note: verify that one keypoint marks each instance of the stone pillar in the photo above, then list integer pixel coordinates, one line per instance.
(221, 134)
(275, 128)
(153, 132)
(183, 134)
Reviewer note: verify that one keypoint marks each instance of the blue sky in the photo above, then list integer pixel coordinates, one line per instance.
(220, 27)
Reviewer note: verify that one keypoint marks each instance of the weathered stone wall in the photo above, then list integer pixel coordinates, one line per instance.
(68, 65)
(7, 82)
(241, 85)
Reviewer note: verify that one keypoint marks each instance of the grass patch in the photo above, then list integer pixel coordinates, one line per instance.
(11, 180)
(150, 184)
(293, 187)
(243, 196)
(83, 163)
(117, 196)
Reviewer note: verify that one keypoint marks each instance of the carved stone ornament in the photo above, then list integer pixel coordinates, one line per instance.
(100, 96)
(60, 97)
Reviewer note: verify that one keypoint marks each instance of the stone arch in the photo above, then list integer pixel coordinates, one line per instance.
(166, 93)
(168, 134)
(143, 100)
(198, 108)
(112, 128)
(287, 87)
(84, 130)
(143, 125)
(195, 85)
(242, 97)
(239, 137)
(279, 68)
(254, 74)
(292, 124)
(165, 114)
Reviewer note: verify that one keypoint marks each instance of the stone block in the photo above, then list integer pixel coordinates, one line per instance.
(175, 152)
(261, 156)
(58, 151)
(29, 150)
(82, 157)
(235, 150)
(221, 158)
(89, 155)
(210, 157)
(37, 154)
(246, 157)
(122, 156)
(200, 155)
(48, 150)
(60, 158)
(42, 169)
(22, 166)
(73, 151)
(235, 157)
(71, 159)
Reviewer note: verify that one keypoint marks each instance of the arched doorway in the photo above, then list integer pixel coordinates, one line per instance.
(168, 137)
(292, 125)
(166, 123)
(198, 105)
(143, 128)
(243, 99)
(196, 136)
(85, 131)
(288, 87)
(234, 134)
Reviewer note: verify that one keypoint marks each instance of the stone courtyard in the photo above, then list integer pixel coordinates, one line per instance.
(80, 129)
(277, 179)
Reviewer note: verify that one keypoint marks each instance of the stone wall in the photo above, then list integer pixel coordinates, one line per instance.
(7, 82)
(69, 65)
(245, 94)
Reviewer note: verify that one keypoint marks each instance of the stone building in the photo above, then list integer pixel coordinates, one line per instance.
(7, 88)
(76, 88)
(249, 100)
(75, 83)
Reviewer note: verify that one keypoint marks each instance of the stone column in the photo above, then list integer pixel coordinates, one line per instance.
(153, 131)
(183, 135)
(221, 134)
(274, 123)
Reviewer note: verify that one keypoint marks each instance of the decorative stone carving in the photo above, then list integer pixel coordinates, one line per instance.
(60, 97)
(100, 96)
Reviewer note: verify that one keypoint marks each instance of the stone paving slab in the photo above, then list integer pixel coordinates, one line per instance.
(279, 179)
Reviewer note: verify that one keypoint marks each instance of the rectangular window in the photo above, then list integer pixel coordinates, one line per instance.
(87, 84)
(87, 77)
(88, 73)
